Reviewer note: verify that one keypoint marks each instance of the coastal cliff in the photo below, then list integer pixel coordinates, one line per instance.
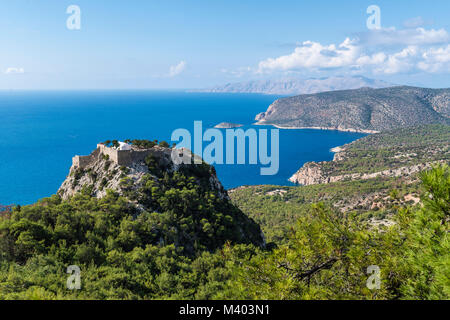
(398, 153)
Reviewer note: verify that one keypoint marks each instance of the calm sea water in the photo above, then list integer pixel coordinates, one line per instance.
(40, 132)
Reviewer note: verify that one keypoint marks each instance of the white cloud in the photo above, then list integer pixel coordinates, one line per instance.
(374, 59)
(403, 51)
(12, 70)
(177, 69)
(402, 61)
(436, 60)
(314, 55)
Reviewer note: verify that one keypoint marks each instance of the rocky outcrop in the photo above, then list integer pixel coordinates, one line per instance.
(311, 173)
(102, 173)
(228, 125)
(184, 203)
(362, 110)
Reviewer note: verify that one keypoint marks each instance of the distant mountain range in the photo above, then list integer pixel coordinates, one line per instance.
(293, 86)
(362, 110)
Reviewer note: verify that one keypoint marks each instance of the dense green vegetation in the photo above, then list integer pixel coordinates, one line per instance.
(276, 209)
(121, 254)
(154, 242)
(328, 254)
(393, 149)
(126, 254)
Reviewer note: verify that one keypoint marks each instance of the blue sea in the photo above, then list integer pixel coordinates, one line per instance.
(40, 132)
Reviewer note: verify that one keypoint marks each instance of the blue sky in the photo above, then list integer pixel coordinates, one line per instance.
(191, 44)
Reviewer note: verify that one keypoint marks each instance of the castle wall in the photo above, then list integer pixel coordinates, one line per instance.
(124, 157)
(81, 161)
(112, 153)
(120, 157)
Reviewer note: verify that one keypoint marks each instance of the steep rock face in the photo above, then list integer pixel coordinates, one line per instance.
(441, 103)
(310, 173)
(364, 110)
(103, 173)
(186, 204)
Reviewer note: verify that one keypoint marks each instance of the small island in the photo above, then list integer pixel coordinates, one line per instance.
(228, 125)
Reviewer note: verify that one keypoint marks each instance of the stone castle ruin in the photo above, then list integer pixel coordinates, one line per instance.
(124, 155)
(107, 168)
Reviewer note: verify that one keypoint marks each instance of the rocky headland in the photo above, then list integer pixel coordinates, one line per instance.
(361, 110)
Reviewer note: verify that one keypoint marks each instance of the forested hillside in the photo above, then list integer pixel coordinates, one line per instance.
(327, 254)
(277, 208)
(396, 153)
